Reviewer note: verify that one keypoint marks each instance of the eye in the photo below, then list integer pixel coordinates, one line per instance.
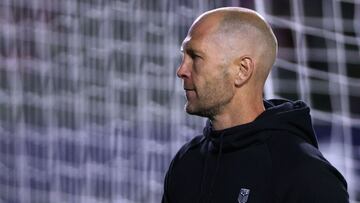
(193, 55)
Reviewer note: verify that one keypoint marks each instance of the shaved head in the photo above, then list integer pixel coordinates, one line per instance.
(243, 32)
(227, 56)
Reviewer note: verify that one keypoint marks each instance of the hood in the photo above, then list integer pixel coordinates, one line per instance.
(280, 115)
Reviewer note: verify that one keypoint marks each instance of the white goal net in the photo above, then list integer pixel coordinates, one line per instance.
(91, 109)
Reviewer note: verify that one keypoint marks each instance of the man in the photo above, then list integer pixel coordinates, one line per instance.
(251, 150)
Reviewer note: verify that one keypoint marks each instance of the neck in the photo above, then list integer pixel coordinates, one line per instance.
(241, 112)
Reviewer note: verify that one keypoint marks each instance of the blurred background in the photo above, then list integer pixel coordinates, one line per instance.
(91, 109)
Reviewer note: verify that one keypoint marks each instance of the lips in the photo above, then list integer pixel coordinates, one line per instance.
(188, 88)
(189, 93)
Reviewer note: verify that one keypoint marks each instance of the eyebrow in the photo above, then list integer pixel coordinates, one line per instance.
(187, 46)
(189, 49)
(182, 47)
(184, 42)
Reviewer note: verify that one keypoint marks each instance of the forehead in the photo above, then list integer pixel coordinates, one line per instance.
(199, 36)
(188, 43)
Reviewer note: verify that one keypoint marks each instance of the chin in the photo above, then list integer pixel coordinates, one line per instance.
(190, 109)
(199, 112)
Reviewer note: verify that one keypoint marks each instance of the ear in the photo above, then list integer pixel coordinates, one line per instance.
(245, 70)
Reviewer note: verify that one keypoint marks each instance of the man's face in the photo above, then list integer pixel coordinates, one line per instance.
(204, 73)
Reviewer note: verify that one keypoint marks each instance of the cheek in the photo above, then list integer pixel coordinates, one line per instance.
(197, 66)
(224, 83)
(206, 74)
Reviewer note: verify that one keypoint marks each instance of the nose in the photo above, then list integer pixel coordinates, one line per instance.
(183, 70)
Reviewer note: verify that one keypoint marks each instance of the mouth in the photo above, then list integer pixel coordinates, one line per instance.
(189, 93)
(188, 89)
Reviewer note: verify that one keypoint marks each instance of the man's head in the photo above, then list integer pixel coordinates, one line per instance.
(227, 56)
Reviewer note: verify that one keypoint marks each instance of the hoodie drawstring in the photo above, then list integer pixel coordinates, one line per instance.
(204, 172)
(217, 167)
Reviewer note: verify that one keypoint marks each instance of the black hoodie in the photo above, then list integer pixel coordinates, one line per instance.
(275, 158)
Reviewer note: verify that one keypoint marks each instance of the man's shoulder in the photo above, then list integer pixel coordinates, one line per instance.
(315, 181)
(289, 148)
(300, 169)
(193, 143)
(290, 153)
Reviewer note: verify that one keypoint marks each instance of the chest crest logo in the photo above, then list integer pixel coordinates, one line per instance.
(243, 195)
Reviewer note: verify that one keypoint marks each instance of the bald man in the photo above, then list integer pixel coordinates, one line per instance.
(252, 150)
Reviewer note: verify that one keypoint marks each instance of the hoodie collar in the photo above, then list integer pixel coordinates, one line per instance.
(280, 115)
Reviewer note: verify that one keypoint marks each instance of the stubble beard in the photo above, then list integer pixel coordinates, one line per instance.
(202, 111)
(212, 101)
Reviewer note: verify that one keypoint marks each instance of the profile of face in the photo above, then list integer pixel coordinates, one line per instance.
(227, 56)
(204, 72)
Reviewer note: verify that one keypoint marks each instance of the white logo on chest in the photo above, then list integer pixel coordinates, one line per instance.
(243, 195)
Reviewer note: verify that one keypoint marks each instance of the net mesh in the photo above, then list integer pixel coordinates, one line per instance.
(91, 109)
